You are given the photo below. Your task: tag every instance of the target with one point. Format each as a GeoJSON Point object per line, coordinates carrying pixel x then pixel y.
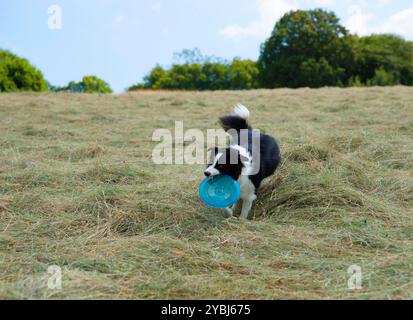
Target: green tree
{"type": "Point", "coordinates": [17, 74]}
{"type": "Point", "coordinates": [93, 84]}
{"type": "Point", "coordinates": [383, 78]}
{"type": "Point", "coordinates": [155, 76]}
{"type": "Point", "coordinates": [209, 75]}
{"type": "Point", "coordinates": [182, 77]}
{"type": "Point", "coordinates": [303, 41]}
{"type": "Point", "coordinates": [243, 74]}
{"type": "Point", "coordinates": [74, 87]}
{"type": "Point", "coordinates": [384, 59]}
{"type": "Point", "coordinates": [214, 76]}
{"type": "Point", "coordinates": [89, 84]}
{"type": "Point", "coordinates": [320, 73]}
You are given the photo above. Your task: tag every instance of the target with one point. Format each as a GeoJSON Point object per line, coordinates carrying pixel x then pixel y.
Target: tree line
{"type": "Point", "coordinates": [307, 48]}
{"type": "Point", "coordinates": [17, 74]}
{"type": "Point", "coordinates": [239, 74]}
{"type": "Point", "coordinates": [88, 84]}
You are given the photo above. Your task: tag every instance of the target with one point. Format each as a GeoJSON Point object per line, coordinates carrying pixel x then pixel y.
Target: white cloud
{"type": "Point", "coordinates": [269, 12]}
{"type": "Point", "coordinates": [363, 18]}
{"type": "Point", "coordinates": [358, 21]}
{"type": "Point", "coordinates": [400, 23]}
{"type": "Point", "coordinates": [364, 23]}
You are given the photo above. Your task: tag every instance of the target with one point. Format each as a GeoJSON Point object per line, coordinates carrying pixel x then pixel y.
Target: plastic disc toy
{"type": "Point", "coordinates": [219, 192]}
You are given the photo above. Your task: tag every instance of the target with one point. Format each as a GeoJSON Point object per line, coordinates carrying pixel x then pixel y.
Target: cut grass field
{"type": "Point", "coordinates": [78, 189]}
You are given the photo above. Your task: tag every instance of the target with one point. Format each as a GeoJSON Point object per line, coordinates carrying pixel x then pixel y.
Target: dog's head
{"type": "Point", "coordinates": [226, 161]}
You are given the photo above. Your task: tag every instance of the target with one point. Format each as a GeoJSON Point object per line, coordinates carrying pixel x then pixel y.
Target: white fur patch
{"type": "Point", "coordinates": [242, 111]}
{"type": "Point", "coordinates": [242, 151]}
{"type": "Point", "coordinates": [247, 188]}
{"type": "Point", "coordinates": [247, 195]}
{"type": "Point", "coordinates": [212, 171]}
{"type": "Point", "coordinates": [246, 159]}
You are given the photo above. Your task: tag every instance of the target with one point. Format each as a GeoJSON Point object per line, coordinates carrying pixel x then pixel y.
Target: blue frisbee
{"type": "Point", "coordinates": [219, 192]}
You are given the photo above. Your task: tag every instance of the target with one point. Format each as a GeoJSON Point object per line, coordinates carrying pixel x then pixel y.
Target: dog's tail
{"type": "Point", "coordinates": [237, 120]}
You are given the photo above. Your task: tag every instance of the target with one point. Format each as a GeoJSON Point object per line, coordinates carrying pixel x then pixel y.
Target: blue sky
{"type": "Point", "coordinates": [121, 40]}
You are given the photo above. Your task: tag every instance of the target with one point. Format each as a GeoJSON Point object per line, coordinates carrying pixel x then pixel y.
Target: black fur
{"type": "Point", "coordinates": [270, 155]}
{"type": "Point", "coordinates": [234, 122]}
{"type": "Point", "coordinates": [229, 164]}
{"type": "Point", "coordinates": [270, 158]}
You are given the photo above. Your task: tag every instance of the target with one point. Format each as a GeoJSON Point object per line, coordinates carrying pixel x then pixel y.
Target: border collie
{"type": "Point", "coordinates": [248, 162]}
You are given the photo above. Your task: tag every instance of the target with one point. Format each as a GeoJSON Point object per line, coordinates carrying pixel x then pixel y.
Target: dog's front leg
{"type": "Point", "coordinates": [229, 212]}
{"type": "Point", "coordinates": [246, 206]}
{"type": "Point", "coordinates": [234, 207]}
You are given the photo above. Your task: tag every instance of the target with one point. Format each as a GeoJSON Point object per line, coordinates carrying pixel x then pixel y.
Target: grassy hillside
{"type": "Point", "coordinates": [78, 189]}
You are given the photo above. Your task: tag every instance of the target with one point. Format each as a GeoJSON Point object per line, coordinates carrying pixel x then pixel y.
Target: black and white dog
{"type": "Point", "coordinates": [249, 159]}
